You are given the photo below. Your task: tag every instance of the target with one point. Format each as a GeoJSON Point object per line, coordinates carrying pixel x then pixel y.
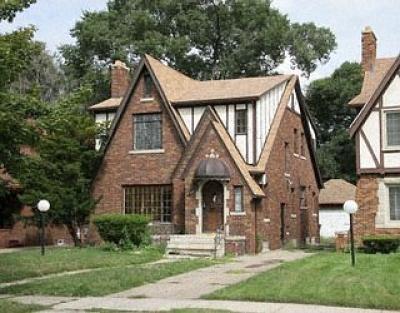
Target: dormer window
{"type": "Point", "coordinates": [148, 86]}
{"type": "Point", "coordinates": [392, 129]}
{"type": "Point", "coordinates": [241, 121]}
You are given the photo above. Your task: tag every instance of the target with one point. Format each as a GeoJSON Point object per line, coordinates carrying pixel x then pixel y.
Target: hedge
{"type": "Point", "coordinates": [123, 229]}
{"type": "Point", "coordinates": [382, 244]}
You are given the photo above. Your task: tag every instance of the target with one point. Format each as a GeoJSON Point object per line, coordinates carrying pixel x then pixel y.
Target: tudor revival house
{"type": "Point", "coordinates": [376, 130]}
{"type": "Point", "coordinates": [200, 157]}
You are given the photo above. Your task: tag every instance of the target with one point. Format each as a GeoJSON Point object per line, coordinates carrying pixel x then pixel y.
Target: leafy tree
{"type": "Point", "coordinates": [327, 99]}
{"type": "Point", "coordinates": [204, 39]}
{"type": "Point", "coordinates": [9, 8]}
{"type": "Point", "coordinates": [65, 163]}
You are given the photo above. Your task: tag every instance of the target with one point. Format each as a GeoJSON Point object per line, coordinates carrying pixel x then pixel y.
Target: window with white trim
{"type": "Point", "coordinates": [238, 191]}
{"type": "Point", "coordinates": [394, 202]}
{"type": "Point", "coordinates": [241, 121]}
{"type": "Point", "coordinates": [153, 201]}
{"type": "Point", "coordinates": [147, 131]}
{"type": "Point", "coordinates": [392, 128]}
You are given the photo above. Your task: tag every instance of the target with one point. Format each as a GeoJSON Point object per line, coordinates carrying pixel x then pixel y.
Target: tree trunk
{"type": "Point", "coordinates": [74, 236]}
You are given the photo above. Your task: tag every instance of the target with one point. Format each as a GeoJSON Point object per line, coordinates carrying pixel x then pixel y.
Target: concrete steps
{"type": "Point", "coordinates": [195, 246]}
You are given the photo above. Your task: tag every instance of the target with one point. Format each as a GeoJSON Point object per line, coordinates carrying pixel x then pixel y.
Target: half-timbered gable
{"type": "Point", "coordinates": [376, 130]}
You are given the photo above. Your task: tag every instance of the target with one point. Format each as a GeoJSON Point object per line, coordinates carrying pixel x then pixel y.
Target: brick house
{"type": "Point", "coordinates": [200, 157]}
{"type": "Point", "coordinates": [376, 130]}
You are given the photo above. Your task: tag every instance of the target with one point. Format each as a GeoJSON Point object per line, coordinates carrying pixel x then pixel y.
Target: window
{"type": "Point", "coordinates": [287, 158]}
{"type": "Point", "coordinates": [295, 141]}
{"type": "Point", "coordinates": [302, 145]}
{"type": "Point", "coordinates": [392, 128]}
{"type": "Point", "coordinates": [394, 202]}
{"type": "Point", "coordinates": [303, 197]}
{"type": "Point", "coordinates": [241, 121]}
{"type": "Point", "coordinates": [239, 199]}
{"type": "Point", "coordinates": [152, 201]}
{"type": "Point", "coordinates": [147, 132]}
{"type": "Point", "coordinates": [148, 86]}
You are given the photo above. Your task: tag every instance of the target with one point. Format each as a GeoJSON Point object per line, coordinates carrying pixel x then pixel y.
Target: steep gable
{"type": "Point", "coordinates": [208, 121]}
{"type": "Point", "coordinates": [382, 83]}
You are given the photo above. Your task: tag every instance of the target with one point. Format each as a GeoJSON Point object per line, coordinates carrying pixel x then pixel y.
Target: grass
{"type": "Point", "coordinates": [29, 263]}
{"type": "Point", "coordinates": [326, 278]}
{"type": "Point", "coordinates": [105, 281]}
{"type": "Point", "coordinates": [8, 306]}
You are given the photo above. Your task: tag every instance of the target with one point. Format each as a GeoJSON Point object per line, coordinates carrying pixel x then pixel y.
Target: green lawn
{"type": "Point", "coordinates": [106, 281]}
{"type": "Point", "coordinates": [29, 263]}
{"type": "Point", "coordinates": [8, 306]}
{"type": "Point", "coordinates": [326, 278]}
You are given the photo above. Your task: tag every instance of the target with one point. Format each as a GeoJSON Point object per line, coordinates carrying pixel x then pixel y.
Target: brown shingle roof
{"type": "Point", "coordinates": [337, 191]}
{"type": "Point", "coordinates": [109, 104]}
{"type": "Point", "coordinates": [181, 89]}
{"type": "Point", "coordinates": [371, 81]}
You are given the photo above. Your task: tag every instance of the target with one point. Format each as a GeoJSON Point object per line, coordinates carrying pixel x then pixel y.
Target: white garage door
{"type": "Point", "coordinates": [333, 221]}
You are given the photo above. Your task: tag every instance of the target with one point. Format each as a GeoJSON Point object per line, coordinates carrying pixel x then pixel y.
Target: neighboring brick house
{"type": "Point", "coordinates": [376, 130]}
{"type": "Point", "coordinates": [332, 218]}
{"type": "Point", "coordinates": [235, 156]}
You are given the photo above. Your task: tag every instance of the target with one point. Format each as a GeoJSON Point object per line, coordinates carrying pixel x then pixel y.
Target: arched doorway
{"type": "Point", "coordinates": [213, 206]}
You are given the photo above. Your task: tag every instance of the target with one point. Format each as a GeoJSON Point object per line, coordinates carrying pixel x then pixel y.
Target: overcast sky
{"type": "Point", "coordinates": [346, 18]}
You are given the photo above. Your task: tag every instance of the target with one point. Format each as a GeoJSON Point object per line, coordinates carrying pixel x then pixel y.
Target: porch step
{"type": "Point", "coordinates": [194, 246]}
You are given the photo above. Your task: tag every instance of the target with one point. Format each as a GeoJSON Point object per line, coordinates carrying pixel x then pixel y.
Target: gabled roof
{"type": "Point", "coordinates": [210, 118]}
{"type": "Point", "coordinates": [292, 85]}
{"type": "Point", "coordinates": [371, 81]}
{"type": "Point", "coordinates": [382, 82]}
{"type": "Point", "coordinates": [337, 191]}
{"type": "Point", "coordinates": [180, 89]}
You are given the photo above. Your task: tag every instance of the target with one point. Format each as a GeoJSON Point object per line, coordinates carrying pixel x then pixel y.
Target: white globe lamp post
{"type": "Point", "coordinates": [43, 206]}
{"type": "Point", "coordinates": [351, 207]}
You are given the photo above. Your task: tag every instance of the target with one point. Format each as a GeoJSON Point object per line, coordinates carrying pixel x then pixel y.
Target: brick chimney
{"type": "Point", "coordinates": [368, 49]}
{"type": "Point", "coordinates": [119, 79]}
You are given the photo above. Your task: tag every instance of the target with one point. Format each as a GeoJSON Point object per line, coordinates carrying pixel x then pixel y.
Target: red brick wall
{"type": "Point", "coordinates": [368, 201]}
{"type": "Point", "coordinates": [120, 168]}
{"type": "Point", "coordinates": [119, 79]}
{"type": "Point", "coordinates": [279, 191]}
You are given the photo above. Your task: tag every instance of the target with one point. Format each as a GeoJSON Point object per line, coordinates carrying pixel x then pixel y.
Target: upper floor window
{"type": "Point", "coordinates": [303, 196]}
{"type": "Point", "coordinates": [147, 131]}
{"type": "Point", "coordinates": [394, 202]}
{"type": "Point", "coordinates": [241, 121]}
{"type": "Point", "coordinates": [295, 141]}
{"type": "Point", "coordinates": [148, 86]}
{"type": "Point", "coordinates": [302, 144]}
{"type": "Point", "coordinates": [239, 199]}
{"type": "Point", "coordinates": [287, 158]}
{"type": "Point", "coordinates": [392, 128]}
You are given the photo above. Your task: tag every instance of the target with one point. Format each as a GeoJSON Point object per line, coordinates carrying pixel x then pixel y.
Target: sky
{"type": "Point", "coordinates": [346, 18]}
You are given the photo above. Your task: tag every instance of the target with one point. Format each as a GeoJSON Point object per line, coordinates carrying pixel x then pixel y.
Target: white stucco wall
{"type": "Point", "coordinates": [332, 221]}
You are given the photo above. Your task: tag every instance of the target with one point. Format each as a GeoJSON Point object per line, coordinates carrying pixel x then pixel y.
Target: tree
{"type": "Point", "coordinates": [327, 99]}
{"type": "Point", "coordinates": [63, 167]}
{"type": "Point", "coordinates": [9, 8]}
{"type": "Point", "coordinates": [204, 39]}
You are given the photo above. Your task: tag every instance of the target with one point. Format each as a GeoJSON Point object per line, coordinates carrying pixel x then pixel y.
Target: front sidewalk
{"type": "Point", "coordinates": [160, 305]}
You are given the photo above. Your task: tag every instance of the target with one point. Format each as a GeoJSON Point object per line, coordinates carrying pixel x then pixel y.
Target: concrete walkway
{"type": "Point", "coordinates": [67, 305]}
{"type": "Point", "coordinates": [193, 285]}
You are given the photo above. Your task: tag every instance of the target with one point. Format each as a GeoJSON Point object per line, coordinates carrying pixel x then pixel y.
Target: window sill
{"type": "Point", "coordinates": [391, 149]}
{"type": "Point", "coordinates": [237, 213]}
{"type": "Point", "coordinates": [147, 99]}
{"type": "Point", "coordinates": [154, 151]}
{"type": "Point", "coordinates": [287, 174]}
{"type": "Point", "coordinates": [299, 156]}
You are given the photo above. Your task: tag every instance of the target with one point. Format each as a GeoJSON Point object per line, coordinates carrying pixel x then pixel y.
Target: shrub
{"type": "Point", "coordinates": [382, 244]}
{"type": "Point", "coordinates": [125, 231]}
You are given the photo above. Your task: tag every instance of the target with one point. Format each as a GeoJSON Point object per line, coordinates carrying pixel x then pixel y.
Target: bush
{"type": "Point", "coordinates": [125, 231]}
{"type": "Point", "coordinates": [382, 244]}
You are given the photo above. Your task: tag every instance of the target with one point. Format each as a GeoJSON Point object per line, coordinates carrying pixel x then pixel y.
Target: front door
{"type": "Point", "coordinates": [213, 206]}
{"type": "Point", "coordinates": [303, 226]}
